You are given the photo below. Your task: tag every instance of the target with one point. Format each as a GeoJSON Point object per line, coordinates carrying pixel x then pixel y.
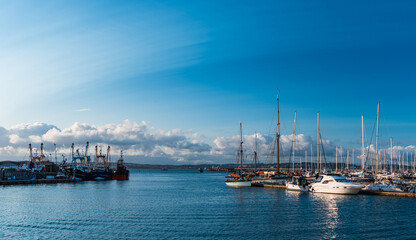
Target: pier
{"type": "Point", "coordinates": [37, 181]}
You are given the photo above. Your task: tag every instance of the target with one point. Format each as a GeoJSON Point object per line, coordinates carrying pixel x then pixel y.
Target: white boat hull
{"type": "Point", "coordinates": [383, 188]}
{"type": "Point", "coordinates": [295, 187]}
{"type": "Point", "coordinates": [350, 190]}
{"type": "Point", "coordinates": [238, 183]}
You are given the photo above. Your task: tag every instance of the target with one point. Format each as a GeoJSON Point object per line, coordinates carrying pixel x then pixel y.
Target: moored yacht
{"type": "Point", "coordinates": [336, 184]}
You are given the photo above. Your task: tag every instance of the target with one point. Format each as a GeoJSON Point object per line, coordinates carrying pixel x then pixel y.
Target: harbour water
{"type": "Point", "coordinates": [185, 204]}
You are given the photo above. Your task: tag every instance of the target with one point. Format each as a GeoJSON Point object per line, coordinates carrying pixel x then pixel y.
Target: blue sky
{"type": "Point", "coordinates": [207, 65]}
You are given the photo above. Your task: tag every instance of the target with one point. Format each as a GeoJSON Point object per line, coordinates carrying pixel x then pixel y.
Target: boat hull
{"type": "Point", "coordinates": [383, 188]}
{"type": "Point", "coordinates": [295, 187]}
{"type": "Point", "coordinates": [120, 176]}
{"type": "Point", "coordinates": [238, 183]}
{"type": "Point", "coordinates": [347, 190]}
{"type": "Point", "coordinates": [101, 174]}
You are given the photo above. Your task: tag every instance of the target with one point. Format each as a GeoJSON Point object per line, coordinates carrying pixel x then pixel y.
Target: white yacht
{"type": "Point", "coordinates": [334, 183]}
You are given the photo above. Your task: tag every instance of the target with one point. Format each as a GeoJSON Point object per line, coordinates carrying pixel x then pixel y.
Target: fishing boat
{"type": "Point", "coordinates": [334, 183]}
{"type": "Point", "coordinates": [79, 167]}
{"type": "Point", "coordinates": [298, 184]}
{"type": "Point", "coordinates": [122, 173]}
{"type": "Point", "coordinates": [101, 170]}
{"type": "Point", "coordinates": [241, 179]}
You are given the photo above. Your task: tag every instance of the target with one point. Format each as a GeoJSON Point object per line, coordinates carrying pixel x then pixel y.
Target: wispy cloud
{"type": "Point", "coordinates": [82, 110]}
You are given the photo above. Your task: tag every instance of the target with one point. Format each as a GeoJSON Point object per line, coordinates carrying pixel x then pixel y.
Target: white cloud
{"type": "Point", "coordinates": [146, 144]}
{"type": "Point", "coordinates": [136, 139]}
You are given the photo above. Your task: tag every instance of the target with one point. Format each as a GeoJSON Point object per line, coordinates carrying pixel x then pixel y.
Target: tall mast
{"type": "Point", "coordinates": [378, 114]}
{"type": "Point", "coordinates": [56, 158]}
{"type": "Point", "coordinates": [311, 156]}
{"type": "Point", "coordinates": [336, 159]}
{"type": "Point", "coordinates": [348, 154]}
{"type": "Point", "coordinates": [362, 143]}
{"type": "Point", "coordinates": [255, 151]}
{"type": "Point", "coordinates": [278, 135]}
{"type": "Point", "coordinates": [317, 146]}
{"type": "Point", "coordinates": [306, 159]}
{"type": "Point", "coordinates": [30, 152]}
{"type": "Point", "coordinates": [353, 158]}
{"type": "Point", "coordinates": [293, 143]}
{"type": "Point", "coordinates": [72, 152]}
{"type": "Point", "coordinates": [241, 150]}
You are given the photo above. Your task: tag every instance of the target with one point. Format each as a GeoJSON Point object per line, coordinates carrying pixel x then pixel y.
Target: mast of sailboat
{"type": "Point", "coordinates": [336, 159]}
{"type": "Point", "coordinates": [311, 157]}
{"type": "Point", "coordinates": [293, 144]}
{"type": "Point", "coordinates": [306, 160]}
{"type": "Point", "coordinates": [278, 135]}
{"type": "Point", "coordinates": [362, 143]}
{"type": "Point", "coordinates": [241, 150]}
{"type": "Point", "coordinates": [255, 151]}
{"type": "Point", "coordinates": [317, 147]}
{"type": "Point", "coordinates": [378, 113]}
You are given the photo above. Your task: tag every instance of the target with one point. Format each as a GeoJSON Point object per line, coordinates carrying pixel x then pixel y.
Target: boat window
{"type": "Point", "coordinates": [319, 179]}
{"type": "Point", "coordinates": [341, 180]}
{"type": "Point", "coordinates": [325, 182]}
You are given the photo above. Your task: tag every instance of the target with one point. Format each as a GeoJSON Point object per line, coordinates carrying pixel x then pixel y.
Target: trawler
{"type": "Point", "coordinates": [122, 173]}
{"type": "Point", "coordinates": [101, 170]}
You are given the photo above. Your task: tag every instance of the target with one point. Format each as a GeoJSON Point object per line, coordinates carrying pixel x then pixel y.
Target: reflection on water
{"type": "Point", "coordinates": [330, 203]}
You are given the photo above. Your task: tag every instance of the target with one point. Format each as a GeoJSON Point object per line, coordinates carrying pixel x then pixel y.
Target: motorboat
{"type": "Point", "coordinates": [334, 183]}
{"type": "Point", "coordinates": [298, 184]}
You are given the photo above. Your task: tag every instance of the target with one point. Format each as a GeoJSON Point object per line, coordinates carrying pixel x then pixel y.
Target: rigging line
{"type": "Point", "coordinates": [323, 150]}
{"type": "Point", "coordinates": [371, 140]}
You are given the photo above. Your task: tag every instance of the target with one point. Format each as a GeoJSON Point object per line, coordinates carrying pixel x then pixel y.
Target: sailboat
{"type": "Point", "coordinates": [239, 180]}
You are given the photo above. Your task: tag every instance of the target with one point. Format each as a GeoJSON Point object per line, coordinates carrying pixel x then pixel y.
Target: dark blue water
{"type": "Point", "coordinates": [188, 205]}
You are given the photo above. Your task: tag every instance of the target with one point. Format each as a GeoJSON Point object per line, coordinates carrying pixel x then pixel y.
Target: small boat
{"type": "Point", "coordinates": [122, 173]}
{"type": "Point", "coordinates": [298, 184]}
{"type": "Point", "coordinates": [334, 183]}
{"type": "Point", "coordinates": [201, 170]}
{"type": "Point", "coordinates": [164, 169]}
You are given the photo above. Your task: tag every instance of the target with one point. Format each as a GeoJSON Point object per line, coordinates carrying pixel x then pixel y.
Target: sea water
{"type": "Point", "coordinates": [186, 204]}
